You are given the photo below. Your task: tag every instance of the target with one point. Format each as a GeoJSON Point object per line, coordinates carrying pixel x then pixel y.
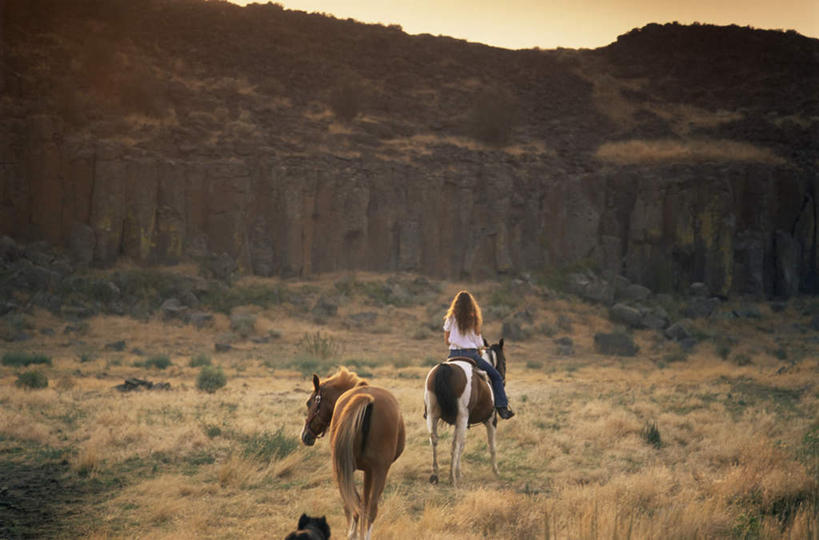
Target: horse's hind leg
{"type": "Point", "coordinates": [352, 522]}
{"type": "Point", "coordinates": [374, 482]}
{"type": "Point", "coordinates": [491, 428]}
{"type": "Point", "coordinates": [432, 427]}
{"type": "Point", "coordinates": [353, 517]}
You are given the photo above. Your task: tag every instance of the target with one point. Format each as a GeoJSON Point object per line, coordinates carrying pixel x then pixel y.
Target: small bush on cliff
{"type": "Point", "coordinates": [492, 118]}
{"type": "Point", "coordinates": [345, 101]}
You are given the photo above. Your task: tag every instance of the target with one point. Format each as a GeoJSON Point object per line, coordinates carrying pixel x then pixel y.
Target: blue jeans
{"type": "Point", "coordinates": [494, 377]}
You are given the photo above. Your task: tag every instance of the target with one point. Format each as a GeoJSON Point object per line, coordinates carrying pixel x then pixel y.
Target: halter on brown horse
{"type": "Point", "coordinates": [460, 394]}
{"type": "Point", "coordinates": [366, 434]}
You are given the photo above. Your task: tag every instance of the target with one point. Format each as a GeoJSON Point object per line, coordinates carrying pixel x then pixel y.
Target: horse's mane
{"type": "Point", "coordinates": [345, 379]}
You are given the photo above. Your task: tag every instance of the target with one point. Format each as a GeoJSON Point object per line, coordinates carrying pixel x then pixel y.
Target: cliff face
{"type": "Point", "coordinates": [300, 144]}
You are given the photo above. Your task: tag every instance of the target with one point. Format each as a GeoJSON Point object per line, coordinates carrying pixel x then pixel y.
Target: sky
{"type": "Point", "coordinates": [548, 24]}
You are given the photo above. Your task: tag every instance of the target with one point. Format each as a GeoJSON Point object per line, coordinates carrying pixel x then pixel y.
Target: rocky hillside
{"type": "Point", "coordinates": [294, 143]}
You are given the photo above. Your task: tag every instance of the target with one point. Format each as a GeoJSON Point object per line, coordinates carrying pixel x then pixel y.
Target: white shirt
{"type": "Point", "coordinates": [460, 341]}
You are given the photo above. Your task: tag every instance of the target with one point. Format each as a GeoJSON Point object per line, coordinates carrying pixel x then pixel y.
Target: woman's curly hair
{"type": "Point", "coordinates": [467, 313]}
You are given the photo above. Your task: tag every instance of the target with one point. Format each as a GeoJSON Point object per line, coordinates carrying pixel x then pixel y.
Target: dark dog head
{"type": "Point", "coordinates": [310, 528]}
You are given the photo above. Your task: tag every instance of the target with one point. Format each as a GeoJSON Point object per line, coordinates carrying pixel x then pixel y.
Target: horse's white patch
{"type": "Point", "coordinates": [463, 399]}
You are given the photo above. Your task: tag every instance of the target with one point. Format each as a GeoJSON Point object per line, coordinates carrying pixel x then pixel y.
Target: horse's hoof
{"type": "Point", "coordinates": [433, 479]}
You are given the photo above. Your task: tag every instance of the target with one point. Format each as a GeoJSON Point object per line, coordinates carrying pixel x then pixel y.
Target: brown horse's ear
{"type": "Point", "coordinates": [315, 382]}
{"type": "Point", "coordinates": [500, 343]}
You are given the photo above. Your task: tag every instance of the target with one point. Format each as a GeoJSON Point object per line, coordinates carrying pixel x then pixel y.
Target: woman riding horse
{"type": "Point", "coordinates": [462, 333]}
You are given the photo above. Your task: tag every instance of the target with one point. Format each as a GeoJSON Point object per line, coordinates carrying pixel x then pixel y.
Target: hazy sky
{"type": "Point", "coordinates": [548, 24]}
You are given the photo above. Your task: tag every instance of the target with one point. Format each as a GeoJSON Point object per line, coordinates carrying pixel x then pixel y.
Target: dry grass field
{"type": "Point", "coordinates": [718, 442]}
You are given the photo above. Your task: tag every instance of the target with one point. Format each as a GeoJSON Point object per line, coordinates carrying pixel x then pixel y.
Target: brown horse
{"type": "Point", "coordinates": [366, 434]}
{"type": "Point", "coordinates": [460, 394]}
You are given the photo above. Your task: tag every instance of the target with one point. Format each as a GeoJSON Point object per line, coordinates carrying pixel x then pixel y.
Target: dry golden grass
{"type": "Point", "coordinates": [573, 462]}
{"type": "Point", "coordinates": [689, 150]}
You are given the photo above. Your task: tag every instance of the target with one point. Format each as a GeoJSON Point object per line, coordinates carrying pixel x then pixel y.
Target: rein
{"type": "Point", "coordinates": [312, 417]}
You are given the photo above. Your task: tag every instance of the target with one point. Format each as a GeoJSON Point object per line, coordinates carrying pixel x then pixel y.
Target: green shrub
{"type": "Point", "coordinates": [724, 350]}
{"type": "Point", "coordinates": [320, 345]}
{"type": "Point", "coordinates": [87, 356]}
{"type": "Point", "coordinates": [742, 359]}
{"type": "Point", "coordinates": [20, 359]}
{"type": "Point", "coordinates": [200, 360]}
{"type": "Point", "coordinates": [212, 431]}
{"type": "Point", "coordinates": [32, 380]}
{"type": "Point", "coordinates": [225, 299]}
{"type": "Point", "coordinates": [159, 361]}
{"type": "Point", "coordinates": [211, 379]}
{"type": "Point", "coordinates": [267, 446]}
{"type": "Point", "coordinates": [781, 353]}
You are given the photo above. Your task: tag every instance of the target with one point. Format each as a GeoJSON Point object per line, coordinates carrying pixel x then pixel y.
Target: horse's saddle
{"type": "Point", "coordinates": [466, 359]}
{"type": "Point", "coordinates": [474, 364]}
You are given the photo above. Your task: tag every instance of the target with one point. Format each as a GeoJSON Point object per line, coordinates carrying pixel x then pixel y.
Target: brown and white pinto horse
{"type": "Point", "coordinates": [366, 434]}
{"type": "Point", "coordinates": [460, 394]}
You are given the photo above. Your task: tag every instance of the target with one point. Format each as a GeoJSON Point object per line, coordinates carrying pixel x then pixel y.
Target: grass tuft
{"type": "Point", "coordinates": [651, 434]}
{"type": "Point", "coordinates": [268, 446]}
{"type": "Point", "coordinates": [33, 380]}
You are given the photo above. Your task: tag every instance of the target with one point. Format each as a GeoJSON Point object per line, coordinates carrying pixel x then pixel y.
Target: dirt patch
{"type": "Point", "coordinates": [41, 499]}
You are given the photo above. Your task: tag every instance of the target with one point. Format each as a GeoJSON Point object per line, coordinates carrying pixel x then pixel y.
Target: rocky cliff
{"type": "Point", "coordinates": [166, 130]}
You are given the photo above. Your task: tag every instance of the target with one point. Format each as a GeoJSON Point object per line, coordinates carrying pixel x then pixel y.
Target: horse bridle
{"type": "Point", "coordinates": [315, 415]}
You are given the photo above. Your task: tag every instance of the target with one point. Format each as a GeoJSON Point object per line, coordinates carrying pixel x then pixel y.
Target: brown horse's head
{"type": "Point", "coordinates": [322, 402]}
{"type": "Point", "coordinates": [319, 414]}
{"type": "Point", "coordinates": [497, 357]}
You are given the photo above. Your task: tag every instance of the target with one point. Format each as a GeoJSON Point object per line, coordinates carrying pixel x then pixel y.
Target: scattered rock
{"type": "Point", "coordinates": [700, 307]}
{"type": "Point", "coordinates": [615, 343]}
{"type": "Point", "coordinates": [628, 315]}
{"type": "Point", "coordinates": [698, 290]}
{"type": "Point", "coordinates": [222, 347]}
{"type": "Point", "coordinates": [139, 384]}
{"type": "Point", "coordinates": [748, 311]}
{"type": "Point", "coordinates": [172, 308]}
{"type": "Point", "coordinates": [679, 331]}
{"type": "Point", "coordinates": [115, 346]}
{"type": "Point", "coordinates": [200, 319]}
{"type": "Point", "coordinates": [81, 243]}
{"type": "Point", "coordinates": [364, 318]}
{"type": "Point", "coordinates": [635, 293]}
{"type": "Point", "coordinates": [221, 267]}
{"type": "Point", "coordinates": [8, 249]}
{"type": "Point", "coordinates": [565, 346]}
{"type": "Point", "coordinates": [325, 307]}
{"type": "Point", "coordinates": [590, 287]}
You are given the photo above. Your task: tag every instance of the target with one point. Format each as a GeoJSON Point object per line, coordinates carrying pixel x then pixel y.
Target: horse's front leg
{"type": "Point", "coordinates": [432, 427]}
{"type": "Point", "coordinates": [458, 442]}
{"type": "Point", "coordinates": [491, 429]}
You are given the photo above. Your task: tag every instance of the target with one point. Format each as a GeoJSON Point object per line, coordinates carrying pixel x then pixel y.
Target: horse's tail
{"type": "Point", "coordinates": [352, 420]}
{"type": "Point", "coordinates": [442, 388]}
